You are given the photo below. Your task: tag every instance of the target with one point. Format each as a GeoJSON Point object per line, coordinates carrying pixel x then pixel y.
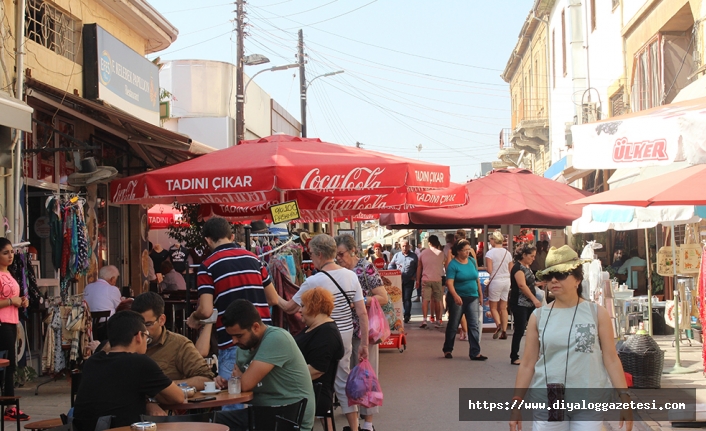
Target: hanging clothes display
{"type": "Point", "coordinates": [23, 272]}
{"type": "Point", "coordinates": [69, 239]}
{"type": "Point", "coordinates": [286, 289]}
{"type": "Point", "coordinates": [68, 329]}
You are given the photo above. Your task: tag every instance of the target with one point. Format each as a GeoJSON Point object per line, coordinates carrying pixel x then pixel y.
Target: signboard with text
{"type": "Point", "coordinates": [116, 74]}
{"type": "Point", "coordinates": [286, 211]}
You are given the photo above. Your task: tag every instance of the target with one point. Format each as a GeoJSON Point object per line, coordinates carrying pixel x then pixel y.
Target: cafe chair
{"type": "Point", "coordinates": [329, 411]}
{"type": "Point", "coordinates": [9, 401]}
{"type": "Point", "coordinates": [261, 418]}
{"type": "Point", "coordinates": [102, 424]}
{"type": "Point", "coordinates": [75, 382]}
{"type": "Point", "coordinates": [99, 324]}
{"type": "Point", "coordinates": [197, 417]}
{"type": "Point", "coordinates": [284, 424]}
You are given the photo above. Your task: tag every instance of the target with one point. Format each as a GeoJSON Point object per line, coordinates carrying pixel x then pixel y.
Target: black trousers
{"type": "Point", "coordinates": [8, 341]}
{"type": "Point", "coordinates": [520, 316]}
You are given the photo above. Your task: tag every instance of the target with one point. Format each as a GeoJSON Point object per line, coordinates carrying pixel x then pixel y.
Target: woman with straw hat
{"type": "Point", "coordinates": [569, 334]}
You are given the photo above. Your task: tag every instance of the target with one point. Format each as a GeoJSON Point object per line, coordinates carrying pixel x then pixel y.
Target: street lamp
{"type": "Point", "coordinates": [303, 98]}
{"type": "Point", "coordinates": [271, 69]}
{"type": "Point", "coordinates": [243, 60]}
{"type": "Point", "coordinates": [240, 98]}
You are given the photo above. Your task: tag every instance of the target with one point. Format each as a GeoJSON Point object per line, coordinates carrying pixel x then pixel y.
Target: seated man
{"type": "Point", "coordinates": [119, 383]}
{"type": "Point", "coordinates": [174, 353]}
{"type": "Point", "coordinates": [269, 364]}
{"type": "Point", "coordinates": [102, 294]}
{"type": "Point", "coordinates": [171, 279]}
{"type": "Point", "coordinates": [633, 260]}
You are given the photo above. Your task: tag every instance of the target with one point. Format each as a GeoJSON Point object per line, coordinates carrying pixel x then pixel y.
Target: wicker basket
{"type": "Point", "coordinates": [644, 360]}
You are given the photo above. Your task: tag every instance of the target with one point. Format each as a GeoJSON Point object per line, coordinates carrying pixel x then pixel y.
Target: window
{"type": "Point", "coordinates": [617, 103]}
{"type": "Point", "coordinates": [554, 58]}
{"type": "Point", "coordinates": [593, 15]}
{"type": "Point", "coordinates": [563, 41]}
{"type": "Point", "coordinates": [52, 28]}
{"type": "Point", "coordinates": [647, 76]}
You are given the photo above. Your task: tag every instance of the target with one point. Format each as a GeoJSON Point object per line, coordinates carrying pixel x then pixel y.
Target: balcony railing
{"type": "Point", "coordinates": [528, 110]}
{"type": "Point", "coordinates": [505, 135]}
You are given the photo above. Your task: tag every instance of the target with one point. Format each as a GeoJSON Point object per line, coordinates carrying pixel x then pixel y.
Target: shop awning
{"type": "Point", "coordinates": [653, 137]}
{"type": "Point", "coordinates": [564, 171]}
{"type": "Point", "coordinates": [148, 141]}
{"type": "Point", "coordinates": [15, 113]}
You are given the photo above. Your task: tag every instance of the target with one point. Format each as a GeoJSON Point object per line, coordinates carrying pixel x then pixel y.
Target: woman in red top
{"type": "Point", "coordinates": [10, 301]}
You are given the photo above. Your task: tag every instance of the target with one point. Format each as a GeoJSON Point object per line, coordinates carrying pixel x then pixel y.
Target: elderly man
{"type": "Point", "coordinates": [102, 294]}
{"type": "Point", "coordinates": [175, 354]}
{"type": "Point", "coordinates": [269, 364]}
{"type": "Point", "coordinates": [121, 383]}
{"type": "Point", "coordinates": [406, 261]}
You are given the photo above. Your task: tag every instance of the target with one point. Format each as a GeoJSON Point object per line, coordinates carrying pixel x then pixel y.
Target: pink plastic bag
{"type": "Point", "coordinates": [378, 326]}
{"type": "Point", "coordinates": [362, 386]}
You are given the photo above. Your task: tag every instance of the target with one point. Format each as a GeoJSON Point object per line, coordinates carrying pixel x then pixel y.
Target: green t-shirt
{"type": "Point", "coordinates": [289, 381]}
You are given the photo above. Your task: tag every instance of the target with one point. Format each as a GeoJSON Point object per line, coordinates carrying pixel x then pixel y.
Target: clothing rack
{"type": "Point", "coordinates": [57, 300]}
{"type": "Point", "coordinates": [22, 244]}
{"type": "Point", "coordinates": [274, 250]}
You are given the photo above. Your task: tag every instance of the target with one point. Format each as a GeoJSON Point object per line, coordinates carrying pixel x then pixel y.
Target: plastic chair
{"type": "Point", "coordinates": [197, 417]}
{"type": "Point", "coordinates": [329, 413]}
{"type": "Point", "coordinates": [100, 328]}
{"type": "Point", "coordinates": [284, 424]}
{"type": "Point", "coordinates": [75, 382]}
{"type": "Point", "coordinates": [261, 418]}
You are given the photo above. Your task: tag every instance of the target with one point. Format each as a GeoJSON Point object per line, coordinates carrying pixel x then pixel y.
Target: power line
{"type": "Point", "coordinates": [198, 8]}
{"type": "Point", "coordinates": [197, 43]}
{"type": "Point", "coordinates": [337, 16]}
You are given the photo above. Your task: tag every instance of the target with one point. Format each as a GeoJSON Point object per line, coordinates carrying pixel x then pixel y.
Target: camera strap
{"type": "Point", "coordinates": [568, 341]}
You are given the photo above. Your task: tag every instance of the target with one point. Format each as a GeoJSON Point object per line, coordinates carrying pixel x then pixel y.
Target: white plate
{"type": "Point", "coordinates": [212, 392]}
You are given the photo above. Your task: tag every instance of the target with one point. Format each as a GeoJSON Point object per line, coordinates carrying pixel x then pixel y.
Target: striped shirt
{"type": "Point", "coordinates": [232, 273]}
{"type": "Point", "coordinates": [348, 281]}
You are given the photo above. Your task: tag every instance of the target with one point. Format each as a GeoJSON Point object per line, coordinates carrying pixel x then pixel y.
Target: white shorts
{"type": "Point", "coordinates": [499, 290]}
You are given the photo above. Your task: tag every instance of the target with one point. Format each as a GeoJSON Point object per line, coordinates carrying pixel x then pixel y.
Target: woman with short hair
{"type": "Point", "coordinates": [322, 347]}
{"type": "Point", "coordinates": [348, 299]}
{"type": "Point", "coordinates": [522, 295]}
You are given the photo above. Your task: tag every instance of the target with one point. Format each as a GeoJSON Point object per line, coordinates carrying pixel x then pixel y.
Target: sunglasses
{"type": "Point", "coordinates": [559, 276]}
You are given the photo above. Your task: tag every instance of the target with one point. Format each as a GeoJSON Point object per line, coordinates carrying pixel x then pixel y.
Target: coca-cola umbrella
{"type": "Point", "coordinates": [321, 176]}
{"type": "Point", "coordinates": [164, 216]}
{"type": "Point", "coordinates": [503, 197]}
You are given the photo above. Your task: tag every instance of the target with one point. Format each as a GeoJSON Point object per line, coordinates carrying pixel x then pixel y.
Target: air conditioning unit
{"type": "Point", "coordinates": [589, 113]}
{"type": "Point", "coordinates": [567, 134]}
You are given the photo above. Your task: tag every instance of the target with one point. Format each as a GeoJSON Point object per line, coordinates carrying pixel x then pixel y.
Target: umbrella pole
{"type": "Point", "coordinates": [677, 369]}
{"type": "Point", "coordinates": [649, 282]}
{"type": "Point", "coordinates": [331, 224]}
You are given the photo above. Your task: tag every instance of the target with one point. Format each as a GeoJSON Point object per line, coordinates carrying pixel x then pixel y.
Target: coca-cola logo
{"type": "Point", "coordinates": [624, 151]}
{"type": "Point", "coordinates": [357, 179]}
{"type": "Point", "coordinates": [358, 204]}
{"type": "Point", "coordinates": [125, 192]}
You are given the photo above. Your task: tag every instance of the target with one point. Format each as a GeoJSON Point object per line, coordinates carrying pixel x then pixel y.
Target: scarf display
{"type": "Point", "coordinates": [69, 239]}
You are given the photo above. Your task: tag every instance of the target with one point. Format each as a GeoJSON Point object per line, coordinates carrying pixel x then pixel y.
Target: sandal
{"type": "Point", "coordinates": [463, 337]}
{"type": "Point", "coordinates": [515, 362]}
{"type": "Point", "coordinates": [496, 334]}
{"type": "Point", "coordinates": [503, 336]}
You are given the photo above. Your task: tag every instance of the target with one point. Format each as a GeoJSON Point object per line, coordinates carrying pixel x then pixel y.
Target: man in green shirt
{"type": "Point", "coordinates": [269, 364]}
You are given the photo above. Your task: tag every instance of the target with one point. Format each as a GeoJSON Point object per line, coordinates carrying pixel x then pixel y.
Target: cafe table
{"type": "Point", "coordinates": [4, 363]}
{"type": "Point", "coordinates": [223, 398]}
{"type": "Point", "coordinates": [183, 426]}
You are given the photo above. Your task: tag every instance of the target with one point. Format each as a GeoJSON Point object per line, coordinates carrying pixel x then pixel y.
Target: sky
{"type": "Point", "coordinates": [422, 79]}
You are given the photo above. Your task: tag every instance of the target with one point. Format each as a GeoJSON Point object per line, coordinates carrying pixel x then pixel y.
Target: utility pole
{"type": "Point", "coordinates": [239, 96]}
{"type": "Point", "coordinates": [302, 81]}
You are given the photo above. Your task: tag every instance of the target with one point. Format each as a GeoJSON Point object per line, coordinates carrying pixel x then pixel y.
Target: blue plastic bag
{"type": "Point", "coordinates": [363, 387]}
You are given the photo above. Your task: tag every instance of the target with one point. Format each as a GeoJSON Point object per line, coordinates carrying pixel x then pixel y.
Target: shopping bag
{"type": "Point", "coordinates": [363, 387]}
{"type": "Point", "coordinates": [378, 327]}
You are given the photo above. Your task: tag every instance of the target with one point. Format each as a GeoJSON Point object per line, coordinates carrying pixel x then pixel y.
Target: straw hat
{"type": "Point", "coordinates": [562, 259]}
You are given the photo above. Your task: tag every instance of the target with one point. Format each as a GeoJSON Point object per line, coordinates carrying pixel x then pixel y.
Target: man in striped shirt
{"type": "Point", "coordinates": [229, 273]}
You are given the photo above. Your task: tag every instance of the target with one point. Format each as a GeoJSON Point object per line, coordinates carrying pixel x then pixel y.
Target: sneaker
{"type": "Point", "coordinates": [431, 319]}
{"type": "Point", "coordinates": [12, 414]}
{"type": "Point", "coordinates": [439, 324]}
{"type": "Point", "coordinates": [423, 325]}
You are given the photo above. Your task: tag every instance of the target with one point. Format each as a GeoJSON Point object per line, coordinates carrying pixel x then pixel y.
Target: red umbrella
{"type": "Point", "coordinates": [321, 176]}
{"type": "Point", "coordinates": [164, 216]}
{"type": "Point", "coordinates": [505, 196]}
{"type": "Point", "coordinates": [675, 188]}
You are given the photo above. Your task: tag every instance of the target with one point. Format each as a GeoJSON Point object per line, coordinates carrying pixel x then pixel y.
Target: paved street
{"type": "Point", "coordinates": [420, 386]}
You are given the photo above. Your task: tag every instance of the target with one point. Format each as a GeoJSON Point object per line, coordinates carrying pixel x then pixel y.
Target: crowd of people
{"type": "Point", "coordinates": [143, 363]}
